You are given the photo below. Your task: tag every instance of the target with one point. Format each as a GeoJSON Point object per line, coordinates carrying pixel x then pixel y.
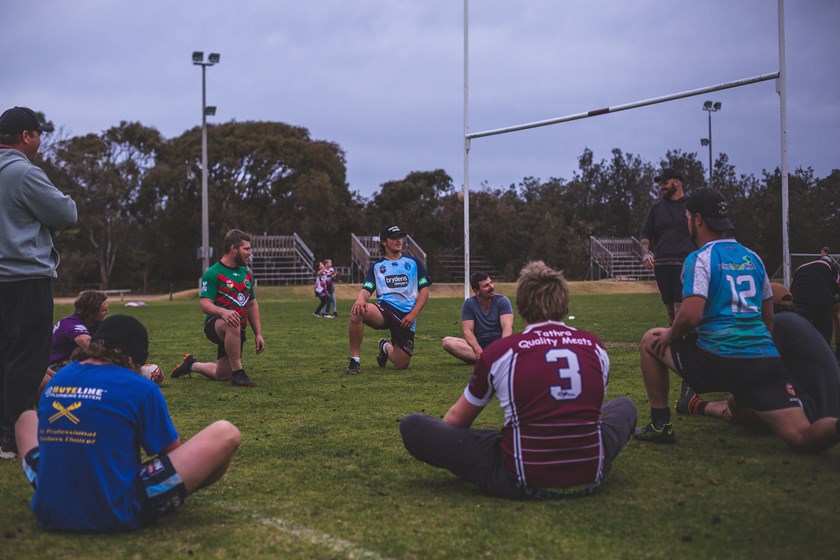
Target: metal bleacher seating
{"type": "Point", "coordinates": [365, 248]}
{"type": "Point", "coordinates": [281, 260]}
{"type": "Point", "coordinates": [449, 267]}
{"type": "Point", "coordinates": [616, 258]}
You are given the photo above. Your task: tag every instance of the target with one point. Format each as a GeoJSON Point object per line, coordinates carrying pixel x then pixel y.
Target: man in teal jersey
{"type": "Point", "coordinates": [227, 298]}
{"type": "Point", "coordinates": [401, 284]}
{"type": "Point", "coordinates": [720, 339]}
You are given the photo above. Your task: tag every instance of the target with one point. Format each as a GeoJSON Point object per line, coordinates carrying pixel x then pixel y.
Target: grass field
{"type": "Point", "coordinates": [322, 472]}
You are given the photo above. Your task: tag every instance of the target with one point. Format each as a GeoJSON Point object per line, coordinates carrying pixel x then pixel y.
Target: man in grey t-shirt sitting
{"type": "Point", "coordinates": [485, 318]}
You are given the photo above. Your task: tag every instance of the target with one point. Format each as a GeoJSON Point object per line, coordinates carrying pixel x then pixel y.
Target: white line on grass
{"type": "Point", "coordinates": [302, 533]}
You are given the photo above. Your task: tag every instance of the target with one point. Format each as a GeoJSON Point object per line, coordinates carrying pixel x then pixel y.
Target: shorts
{"type": "Point", "coordinates": [210, 333]}
{"type": "Point", "coordinates": [401, 337]}
{"type": "Point", "coordinates": [757, 383]}
{"type": "Point", "coordinates": [669, 281]}
{"type": "Point", "coordinates": [158, 486]}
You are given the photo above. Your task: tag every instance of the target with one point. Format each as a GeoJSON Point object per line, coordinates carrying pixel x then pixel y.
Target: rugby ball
{"type": "Point", "coordinates": [152, 372]}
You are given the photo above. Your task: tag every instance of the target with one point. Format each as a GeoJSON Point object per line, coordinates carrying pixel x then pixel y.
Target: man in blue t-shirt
{"type": "Point", "coordinates": [485, 318]}
{"type": "Point", "coordinates": [401, 284]}
{"type": "Point", "coordinates": [81, 448]}
{"type": "Point", "coordinates": [720, 339]}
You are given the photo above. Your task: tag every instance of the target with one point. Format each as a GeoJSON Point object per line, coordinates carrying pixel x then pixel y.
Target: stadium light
{"type": "Point", "coordinates": [710, 107]}
{"type": "Point", "coordinates": [198, 60]}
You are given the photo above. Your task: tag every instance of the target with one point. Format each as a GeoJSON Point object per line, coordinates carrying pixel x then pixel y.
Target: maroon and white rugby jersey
{"type": "Point", "coordinates": [550, 381]}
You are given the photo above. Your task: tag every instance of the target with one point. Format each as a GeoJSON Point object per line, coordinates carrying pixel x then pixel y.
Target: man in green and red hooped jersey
{"type": "Point", "coordinates": [227, 298]}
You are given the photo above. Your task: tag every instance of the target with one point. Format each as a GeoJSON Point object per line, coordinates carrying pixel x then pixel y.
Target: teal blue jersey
{"type": "Point", "coordinates": [397, 283]}
{"type": "Point", "coordinates": [734, 283]}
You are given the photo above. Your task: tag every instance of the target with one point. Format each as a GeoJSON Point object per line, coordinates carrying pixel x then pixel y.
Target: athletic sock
{"type": "Point", "coordinates": [697, 406]}
{"type": "Point", "coordinates": [356, 359]}
{"type": "Point", "coordinates": [660, 416]}
{"type": "Point", "coordinates": [238, 372]}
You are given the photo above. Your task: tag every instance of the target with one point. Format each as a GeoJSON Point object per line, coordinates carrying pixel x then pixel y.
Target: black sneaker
{"type": "Point", "coordinates": [241, 379]}
{"type": "Point", "coordinates": [184, 368]}
{"type": "Point", "coordinates": [354, 367]}
{"type": "Point", "coordinates": [656, 434]}
{"type": "Point", "coordinates": [8, 449]}
{"type": "Point", "coordinates": [686, 393]}
{"type": "Point", "coordinates": [382, 356]}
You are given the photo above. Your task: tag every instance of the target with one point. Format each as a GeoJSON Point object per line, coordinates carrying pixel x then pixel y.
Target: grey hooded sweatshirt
{"type": "Point", "coordinates": [32, 212]}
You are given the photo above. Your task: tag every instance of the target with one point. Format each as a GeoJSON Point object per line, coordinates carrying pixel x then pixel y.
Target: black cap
{"type": "Point", "coordinates": [389, 232]}
{"type": "Point", "coordinates": [18, 119]}
{"type": "Point", "coordinates": [712, 206]}
{"type": "Point", "coordinates": [126, 333]}
{"type": "Point", "coordinates": [666, 174]}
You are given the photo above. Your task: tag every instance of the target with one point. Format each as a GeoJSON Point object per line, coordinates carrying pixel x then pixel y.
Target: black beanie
{"type": "Point", "coordinates": [126, 333]}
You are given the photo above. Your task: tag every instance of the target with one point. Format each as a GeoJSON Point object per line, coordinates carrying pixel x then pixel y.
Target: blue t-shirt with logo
{"type": "Point", "coordinates": [397, 283]}
{"type": "Point", "coordinates": [92, 422]}
{"type": "Point", "coordinates": [734, 283]}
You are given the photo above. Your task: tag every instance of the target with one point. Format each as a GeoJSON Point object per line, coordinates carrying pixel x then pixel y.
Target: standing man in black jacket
{"type": "Point", "coordinates": [665, 239]}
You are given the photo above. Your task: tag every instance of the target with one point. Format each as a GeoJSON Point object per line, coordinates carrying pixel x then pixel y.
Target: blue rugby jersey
{"type": "Point", "coordinates": [734, 283]}
{"type": "Point", "coordinates": [397, 283]}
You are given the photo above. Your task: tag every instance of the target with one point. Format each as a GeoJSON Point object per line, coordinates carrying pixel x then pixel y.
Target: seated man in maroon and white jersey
{"type": "Point", "coordinates": [559, 437]}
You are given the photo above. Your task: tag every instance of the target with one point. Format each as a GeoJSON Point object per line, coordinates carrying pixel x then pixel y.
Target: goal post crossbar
{"type": "Point", "coordinates": [625, 106]}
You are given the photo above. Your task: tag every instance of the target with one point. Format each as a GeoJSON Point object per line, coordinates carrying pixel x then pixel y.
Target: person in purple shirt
{"type": "Point", "coordinates": [485, 318]}
{"type": "Point", "coordinates": [75, 330]}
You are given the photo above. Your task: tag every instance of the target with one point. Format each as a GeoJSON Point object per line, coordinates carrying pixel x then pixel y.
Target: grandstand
{"type": "Point", "coordinates": [616, 258]}
{"type": "Point", "coordinates": [279, 260]}
{"type": "Point", "coordinates": [365, 247]}
{"type": "Point", "coordinates": [449, 267]}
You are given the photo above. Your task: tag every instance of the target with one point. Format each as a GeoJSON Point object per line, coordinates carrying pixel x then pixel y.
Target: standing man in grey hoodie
{"type": "Point", "coordinates": [32, 212]}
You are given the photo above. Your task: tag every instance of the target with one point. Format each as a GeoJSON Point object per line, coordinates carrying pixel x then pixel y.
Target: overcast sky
{"type": "Point", "coordinates": [384, 78]}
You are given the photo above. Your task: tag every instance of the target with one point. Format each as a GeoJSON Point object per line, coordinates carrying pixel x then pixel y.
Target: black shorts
{"type": "Point", "coordinates": [401, 337]}
{"type": "Point", "coordinates": [210, 333]}
{"type": "Point", "coordinates": [160, 488]}
{"type": "Point", "coordinates": [757, 383]}
{"type": "Point", "coordinates": [669, 281]}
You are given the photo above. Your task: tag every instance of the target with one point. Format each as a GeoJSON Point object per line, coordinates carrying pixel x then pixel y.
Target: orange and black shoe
{"type": "Point", "coordinates": [184, 368]}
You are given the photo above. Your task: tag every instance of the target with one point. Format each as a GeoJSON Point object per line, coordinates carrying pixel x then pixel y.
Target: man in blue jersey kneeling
{"type": "Point", "coordinates": [401, 284]}
{"type": "Point", "coordinates": [720, 339]}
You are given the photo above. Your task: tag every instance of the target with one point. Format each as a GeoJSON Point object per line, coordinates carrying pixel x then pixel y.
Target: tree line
{"type": "Point", "coordinates": [139, 201]}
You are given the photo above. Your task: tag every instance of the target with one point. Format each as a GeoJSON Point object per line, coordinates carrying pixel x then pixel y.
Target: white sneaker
{"type": "Point", "coordinates": [8, 453]}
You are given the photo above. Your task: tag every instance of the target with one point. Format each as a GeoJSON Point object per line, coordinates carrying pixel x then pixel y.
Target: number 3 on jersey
{"type": "Point", "coordinates": [569, 373]}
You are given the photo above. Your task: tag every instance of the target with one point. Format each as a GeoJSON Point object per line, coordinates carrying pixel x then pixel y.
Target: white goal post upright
{"type": "Point", "coordinates": [466, 185]}
{"type": "Point", "coordinates": [781, 88]}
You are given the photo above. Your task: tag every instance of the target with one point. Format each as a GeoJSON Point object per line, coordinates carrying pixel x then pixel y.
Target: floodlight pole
{"type": "Point", "coordinates": [710, 107]}
{"type": "Point", "coordinates": [198, 60]}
